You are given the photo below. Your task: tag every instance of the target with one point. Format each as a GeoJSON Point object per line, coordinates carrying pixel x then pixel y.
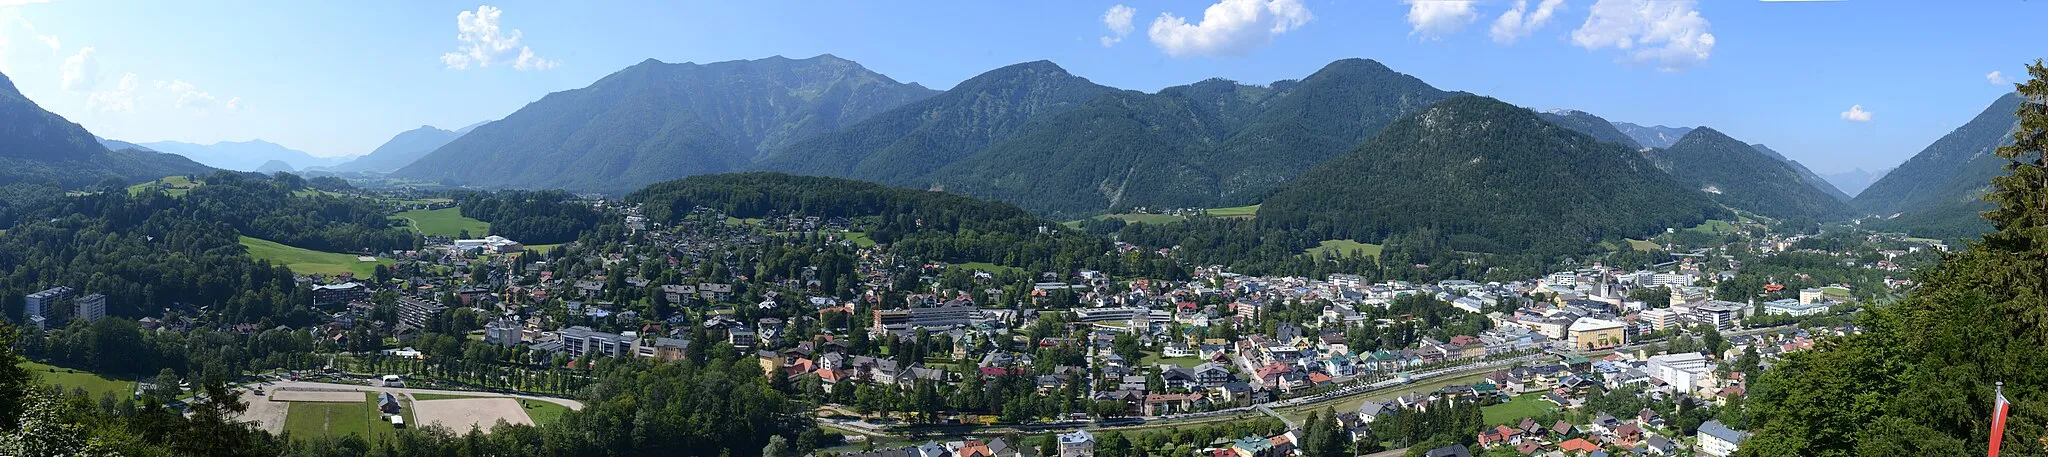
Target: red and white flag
{"type": "Point", "coordinates": [1998, 411]}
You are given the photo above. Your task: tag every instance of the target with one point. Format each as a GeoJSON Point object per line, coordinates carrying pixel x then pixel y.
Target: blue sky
{"type": "Point", "coordinates": [336, 78]}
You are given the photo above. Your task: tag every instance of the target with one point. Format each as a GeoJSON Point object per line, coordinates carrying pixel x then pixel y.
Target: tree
{"type": "Point", "coordinates": [1918, 380]}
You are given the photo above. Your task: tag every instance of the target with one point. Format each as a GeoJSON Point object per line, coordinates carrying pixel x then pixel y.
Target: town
{"type": "Point", "coordinates": [989, 360]}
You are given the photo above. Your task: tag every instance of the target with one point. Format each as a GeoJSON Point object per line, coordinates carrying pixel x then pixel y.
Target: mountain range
{"type": "Point", "coordinates": [1488, 177]}
{"type": "Point", "coordinates": [1654, 136]}
{"type": "Point", "coordinates": [243, 155]}
{"type": "Point", "coordinates": [1854, 181]}
{"type": "Point", "coordinates": [37, 146]}
{"type": "Point", "coordinates": [656, 121]}
{"type": "Point", "coordinates": [1213, 143]}
{"type": "Point", "coordinates": [1937, 193]}
{"type": "Point", "coordinates": [1745, 177]}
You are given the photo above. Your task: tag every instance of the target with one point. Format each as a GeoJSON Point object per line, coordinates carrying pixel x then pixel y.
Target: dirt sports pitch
{"type": "Point", "coordinates": [460, 414]}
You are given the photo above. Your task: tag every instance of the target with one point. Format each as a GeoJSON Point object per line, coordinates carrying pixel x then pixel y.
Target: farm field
{"type": "Point", "coordinates": [447, 222]}
{"type": "Point", "coordinates": [1346, 247]}
{"type": "Point", "coordinates": [93, 383]}
{"type": "Point", "coordinates": [1241, 212]}
{"type": "Point", "coordinates": [307, 261]}
{"type": "Point", "coordinates": [174, 186]}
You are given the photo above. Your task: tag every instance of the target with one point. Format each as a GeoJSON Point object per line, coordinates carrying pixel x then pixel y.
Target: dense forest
{"type": "Point", "coordinates": [1743, 177]}
{"type": "Point", "coordinates": [1919, 379]}
{"type": "Point", "coordinates": [531, 217]}
{"type": "Point", "coordinates": [926, 225]}
{"type": "Point", "coordinates": [1490, 177]}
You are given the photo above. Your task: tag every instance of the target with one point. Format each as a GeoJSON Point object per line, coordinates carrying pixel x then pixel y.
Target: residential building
{"type": "Point", "coordinates": [90, 308]}
{"type": "Point", "coordinates": [1661, 318]}
{"type": "Point", "coordinates": [47, 307]}
{"type": "Point", "coordinates": [339, 294]}
{"type": "Point", "coordinates": [415, 311]}
{"type": "Point", "coordinates": [579, 341]}
{"type": "Point", "coordinates": [1077, 444]}
{"type": "Point", "coordinates": [1720, 314]}
{"type": "Point", "coordinates": [503, 332]}
{"type": "Point", "coordinates": [1717, 440]}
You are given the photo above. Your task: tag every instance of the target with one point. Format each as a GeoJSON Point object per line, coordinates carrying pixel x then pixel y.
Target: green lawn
{"type": "Point", "coordinates": [1715, 226]}
{"type": "Point", "coordinates": [860, 239]}
{"type": "Point", "coordinates": [985, 266]}
{"type": "Point", "coordinates": [1345, 248]}
{"type": "Point", "coordinates": [445, 222]}
{"type": "Point", "coordinates": [543, 413]}
{"type": "Point", "coordinates": [1641, 245]}
{"type": "Point", "coordinates": [1153, 358]}
{"type": "Point", "coordinates": [307, 261]}
{"type": "Point", "coordinates": [1154, 219]}
{"type": "Point", "coordinates": [543, 248]}
{"type": "Point", "coordinates": [1512, 412]}
{"type": "Point", "coordinates": [1246, 212]}
{"type": "Point", "coordinates": [69, 379]}
{"type": "Point", "coordinates": [338, 419]}
{"type": "Point", "coordinates": [172, 185]}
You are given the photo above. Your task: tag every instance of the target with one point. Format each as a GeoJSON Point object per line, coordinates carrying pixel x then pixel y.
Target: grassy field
{"type": "Point", "coordinates": [93, 384]}
{"type": "Point", "coordinates": [338, 419]}
{"type": "Point", "coordinates": [1154, 219]}
{"type": "Point", "coordinates": [1245, 212]}
{"type": "Point", "coordinates": [543, 413]}
{"type": "Point", "coordinates": [1345, 247]}
{"type": "Point", "coordinates": [1642, 245]}
{"type": "Point", "coordinates": [1152, 358]}
{"type": "Point", "coordinates": [860, 239]}
{"type": "Point", "coordinates": [1715, 226]}
{"type": "Point", "coordinates": [172, 185]}
{"type": "Point", "coordinates": [307, 261]}
{"type": "Point", "coordinates": [445, 222]}
{"type": "Point", "coordinates": [985, 266]}
{"type": "Point", "coordinates": [1512, 412]}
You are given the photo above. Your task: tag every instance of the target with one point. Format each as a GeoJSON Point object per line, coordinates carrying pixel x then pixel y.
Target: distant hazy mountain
{"type": "Point", "coordinates": [1805, 174]}
{"type": "Point", "coordinates": [1591, 125]}
{"type": "Point", "coordinates": [243, 155]}
{"type": "Point", "coordinates": [401, 150]}
{"type": "Point", "coordinates": [1213, 143]}
{"type": "Point", "coordinates": [117, 145]}
{"type": "Point", "coordinates": [1854, 181]}
{"type": "Point", "coordinates": [38, 146]}
{"type": "Point", "coordinates": [903, 146]}
{"type": "Point", "coordinates": [1653, 136]}
{"type": "Point", "coordinates": [1936, 193]}
{"type": "Point", "coordinates": [1486, 176]}
{"type": "Point", "coordinates": [657, 121]}
{"type": "Point", "coordinates": [275, 166]}
{"type": "Point", "coordinates": [1743, 177]}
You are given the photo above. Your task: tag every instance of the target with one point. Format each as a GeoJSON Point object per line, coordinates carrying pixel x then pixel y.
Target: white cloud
{"type": "Point", "coordinates": [1856, 114]}
{"type": "Point", "coordinates": [21, 2]}
{"type": "Point", "coordinates": [235, 104]}
{"type": "Point", "coordinates": [1997, 78]}
{"type": "Point", "coordinates": [1440, 18]}
{"type": "Point", "coordinates": [1118, 19]}
{"type": "Point", "coordinates": [14, 28]}
{"type": "Point", "coordinates": [119, 100]}
{"type": "Point", "coordinates": [1519, 22]}
{"type": "Point", "coordinates": [1229, 27]}
{"type": "Point", "coordinates": [188, 96]}
{"type": "Point", "coordinates": [484, 43]}
{"type": "Point", "coordinates": [81, 70]}
{"type": "Point", "coordinates": [1669, 34]}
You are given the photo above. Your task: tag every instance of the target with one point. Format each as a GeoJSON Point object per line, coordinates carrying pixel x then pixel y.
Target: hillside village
{"type": "Point", "coordinates": [1095, 350]}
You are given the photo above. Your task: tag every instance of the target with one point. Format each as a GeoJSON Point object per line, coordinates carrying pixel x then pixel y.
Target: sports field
{"type": "Point", "coordinates": [447, 222]}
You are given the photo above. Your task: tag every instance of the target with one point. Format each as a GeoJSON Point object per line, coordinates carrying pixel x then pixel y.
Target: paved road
{"type": "Point", "coordinates": [273, 386]}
